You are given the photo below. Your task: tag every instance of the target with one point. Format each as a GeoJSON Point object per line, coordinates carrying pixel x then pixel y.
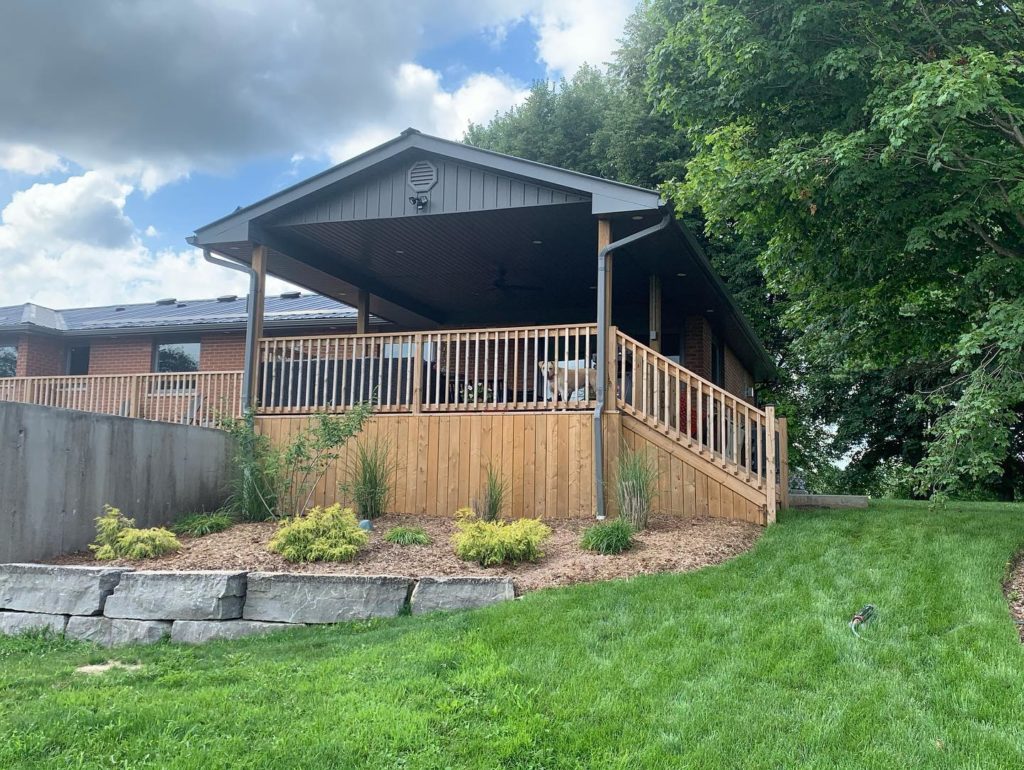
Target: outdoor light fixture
{"type": "Point", "coordinates": [419, 201]}
{"type": "Point", "coordinates": [681, 275]}
{"type": "Point", "coordinates": [637, 217]}
{"type": "Point", "coordinates": [537, 243]}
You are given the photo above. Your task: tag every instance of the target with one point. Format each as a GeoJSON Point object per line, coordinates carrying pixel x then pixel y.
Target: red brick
{"type": "Point", "coordinates": [221, 352]}
{"type": "Point", "coordinates": [40, 356]}
{"type": "Point", "coordinates": [121, 355]}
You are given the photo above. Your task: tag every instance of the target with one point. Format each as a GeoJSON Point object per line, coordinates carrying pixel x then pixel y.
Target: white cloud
{"type": "Point", "coordinates": [422, 102]}
{"type": "Point", "coordinates": [26, 159]}
{"type": "Point", "coordinates": [71, 244]}
{"type": "Point", "coordinates": [573, 32]}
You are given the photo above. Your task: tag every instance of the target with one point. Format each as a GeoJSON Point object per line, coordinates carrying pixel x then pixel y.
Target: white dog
{"type": "Point", "coordinates": [565, 382]}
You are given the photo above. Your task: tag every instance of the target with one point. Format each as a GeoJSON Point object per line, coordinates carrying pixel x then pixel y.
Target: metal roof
{"type": "Point", "coordinates": [282, 310]}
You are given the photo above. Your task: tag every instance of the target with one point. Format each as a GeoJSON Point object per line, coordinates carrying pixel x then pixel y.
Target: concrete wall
{"type": "Point", "coordinates": [59, 467]}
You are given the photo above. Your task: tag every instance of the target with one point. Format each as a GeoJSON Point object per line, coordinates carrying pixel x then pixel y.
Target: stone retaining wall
{"type": "Point", "coordinates": [112, 605]}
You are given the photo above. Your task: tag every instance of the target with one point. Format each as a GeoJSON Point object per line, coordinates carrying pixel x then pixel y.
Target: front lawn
{"type": "Point", "coordinates": [747, 664]}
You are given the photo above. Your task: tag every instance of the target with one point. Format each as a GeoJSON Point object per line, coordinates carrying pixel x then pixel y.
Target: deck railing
{"type": "Point", "coordinates": [192, 398]}
{"type": "Point", "coordinates": [696, 412]}
{"type": "Point", "coordinates": [523, 368]}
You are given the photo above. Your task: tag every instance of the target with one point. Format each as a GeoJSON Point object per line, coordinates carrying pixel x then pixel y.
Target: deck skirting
{"type": "Point", "coordinates": [441, 462]}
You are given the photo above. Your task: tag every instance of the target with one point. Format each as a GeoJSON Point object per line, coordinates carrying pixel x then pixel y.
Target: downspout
{"type": "Point", "coordinates": [249, 323]}
{"type": "Point", "coordinates": [602, 352]}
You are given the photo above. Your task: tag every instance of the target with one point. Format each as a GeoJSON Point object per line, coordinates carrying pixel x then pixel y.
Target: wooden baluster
{"type": "Point", "coordinates": [721, 425]}
{"type": "Point", "coordinates": [735, 437]}
{"type": "Point", "coordinates": [769, 463]}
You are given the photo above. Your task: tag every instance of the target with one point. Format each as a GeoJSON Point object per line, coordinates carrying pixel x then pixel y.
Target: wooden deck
{"type": "Point", "coordinates": [449, 403]}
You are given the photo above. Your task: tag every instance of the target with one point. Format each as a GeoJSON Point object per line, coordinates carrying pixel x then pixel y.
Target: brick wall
{"type": "Point", "coordinates": [697, 346]}
{"type": "Point", "coordinates": [40, 356]}
{"type": "Point", "coordinates": [221, 352]}
{"type": "Point", "coordinates": [737, 378]}
{"type": "Point", "coordinates": [121, 355]}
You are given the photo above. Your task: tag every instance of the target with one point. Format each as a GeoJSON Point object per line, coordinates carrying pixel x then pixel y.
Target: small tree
{"type": "Point", "coordinates": [275, 483]}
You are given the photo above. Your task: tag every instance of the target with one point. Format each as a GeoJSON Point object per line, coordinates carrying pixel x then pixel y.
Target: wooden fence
{"type": "Point", "coordinates": [189, 398]}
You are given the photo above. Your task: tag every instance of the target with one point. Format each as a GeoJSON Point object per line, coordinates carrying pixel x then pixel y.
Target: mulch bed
{"type": "Point", "coordinates": [1014, 590]}
{"type": "Point", "coordinates": [670, 544]}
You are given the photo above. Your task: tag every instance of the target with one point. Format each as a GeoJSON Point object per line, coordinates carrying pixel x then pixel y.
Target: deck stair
{"type": "Point", "coordinates": [716, 436]}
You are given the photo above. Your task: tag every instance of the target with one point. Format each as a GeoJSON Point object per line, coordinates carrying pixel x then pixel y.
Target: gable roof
{"type": "Point", "coordinates": [488, 240]}
{"type": "Point", "coordinates": [606, 196]}
{"type": "Point", "coordinates": [227, 312]}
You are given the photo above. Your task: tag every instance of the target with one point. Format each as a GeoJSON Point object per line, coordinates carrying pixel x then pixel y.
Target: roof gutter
{"type": "Point", "coordinates": [602, 351]}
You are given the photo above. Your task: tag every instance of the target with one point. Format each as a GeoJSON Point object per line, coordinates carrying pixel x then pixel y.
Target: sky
{"type": "Point", "coordinates": [125, 126]}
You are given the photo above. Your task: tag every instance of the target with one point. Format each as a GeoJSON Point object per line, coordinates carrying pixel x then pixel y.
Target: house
{"type": "Point", "coordinates": [549, 318]}
{"type": "Point", "coordinates": [507, 314]}
{"type": "Point", "coordinates": [163, 336]}
{"type": "Point", "coordinates": [160, 360]}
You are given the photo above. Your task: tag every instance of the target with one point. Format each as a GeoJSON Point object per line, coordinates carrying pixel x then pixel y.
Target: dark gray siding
{"type": "Point", "coordinates": [459, 188]}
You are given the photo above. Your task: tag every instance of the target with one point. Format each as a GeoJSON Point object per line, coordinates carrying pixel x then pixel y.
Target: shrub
{"type": "Point", "coordinates": [636, 487]}
{"type": "Point", "coordinates": [608, 537]}
{"type": "Point", "coordinates": [408, 536]}
{"type": "Point", "coordinates": [203, 523]}
{"type": "Point", "coordinates": [371, 478]}
{"type": "Point", "coordinates": [323, 534]}
{"type": "Point", "coordinates": [497, 542]}
{"type": "Point", "coordinates": [495, 492]}
{"type": "Point", "coordinates": [118, 538]}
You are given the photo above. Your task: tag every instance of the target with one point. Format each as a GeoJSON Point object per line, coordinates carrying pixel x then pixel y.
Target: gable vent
{"type": "Point", "coordinates": [422, 176]}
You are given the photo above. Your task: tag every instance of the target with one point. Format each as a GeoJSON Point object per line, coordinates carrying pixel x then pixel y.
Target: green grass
{"type": "Point", "coordinates": [748, 664]}
{"type": "Point", "coordinates": [203, 523]}
{"type": "Point", "coordinates": [608, 537]}
{"type": "Point", "coordinates": [408, 536]}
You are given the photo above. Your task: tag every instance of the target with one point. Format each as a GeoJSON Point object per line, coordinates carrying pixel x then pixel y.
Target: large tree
{"type": "Point", "coordinates": [873, 154]}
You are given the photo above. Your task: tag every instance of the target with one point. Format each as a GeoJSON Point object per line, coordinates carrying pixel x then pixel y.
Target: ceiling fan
{"type": "Point", "coordinates": [501, 283]}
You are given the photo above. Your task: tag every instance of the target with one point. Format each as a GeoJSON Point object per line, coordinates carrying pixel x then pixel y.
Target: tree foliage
{"type": "Point", "coordinates": [857, 171]}
{"type": "Point", "coordinates": [874, 151]}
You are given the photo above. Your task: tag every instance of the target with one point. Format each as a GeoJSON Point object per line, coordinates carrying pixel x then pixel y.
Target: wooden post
{"type": "Point", "coordinates": [257, 300]}
{"type": "Point", "coordinates": [135, 407]}
{"type": "Point", "coordinates": [604, 237]}
{"type": "Point", "coordinates": [783, 461]}
{"type": "Point", "coordinates": [654, 303]}
{"type": "Point", "coordinates": [362, 311]}
{"type": "Point", "coordinates": [769, 461]}
{"type": "Point", "coordinates": [417, 373]}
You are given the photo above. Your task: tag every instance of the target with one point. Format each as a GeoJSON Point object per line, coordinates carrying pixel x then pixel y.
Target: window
{"type": "Point", "coordinates": [177, 357]}
{"type": "Point", "coordinates": [78, 359]}
{"type": "Point", "coordinates": [8, 360]}
{"type": "Point", "coordinates": [717, 362]}
{"type": "Point", "coordinates": [404, 350]}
